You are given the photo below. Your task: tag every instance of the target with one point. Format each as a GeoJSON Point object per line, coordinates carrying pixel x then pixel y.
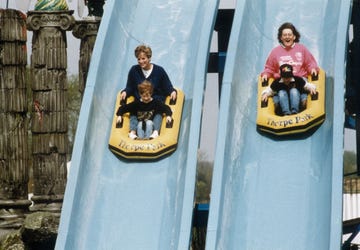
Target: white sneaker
{"type": "Point", "coordinates": [154, 134]}
{"type": "Point", "coordinates": [132, 136]}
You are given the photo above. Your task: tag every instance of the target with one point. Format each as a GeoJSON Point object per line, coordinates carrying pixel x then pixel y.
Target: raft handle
{"type": "Point", "coordinates": [264, 104]}
{"type": "Point", "coordinates": [172, 102]}
{"type": "Point", "coordinates": [122, 102]}
{"type": "Point", "coordinates": [315, 96]}
{"type": "Point", "coordinates": [119, 124]}
{"type": "Point", "coordinates": [265, 83]}
{"type": "Point", "coordinates": [314, 77]}
{"type": "Point", "coordinates": [170, 124]}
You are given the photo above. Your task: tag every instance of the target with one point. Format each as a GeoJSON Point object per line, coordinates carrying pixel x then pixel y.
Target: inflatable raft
{"type": "Point", "coordinates": [312, 116]}
{"type": "Point", "coordinates": [165, 143]}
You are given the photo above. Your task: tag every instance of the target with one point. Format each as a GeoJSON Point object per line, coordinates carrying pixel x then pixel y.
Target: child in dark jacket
{"type": "Point", "coordinates": [290, 89]}
{"type": "Point", "coordinates": [145, 110]}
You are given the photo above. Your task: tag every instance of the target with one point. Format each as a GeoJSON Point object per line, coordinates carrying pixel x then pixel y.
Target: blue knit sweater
{"type": "Point", "coordinates": [158, 77]}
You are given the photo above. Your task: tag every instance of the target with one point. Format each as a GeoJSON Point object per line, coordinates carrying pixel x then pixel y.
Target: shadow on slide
{"type": "Point", "coordinates": [270, 194]}
{"type": "Point", "coordinates": [114, 204]}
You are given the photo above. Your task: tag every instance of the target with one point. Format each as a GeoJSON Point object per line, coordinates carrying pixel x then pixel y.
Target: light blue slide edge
{"type": "Point", "coordinates": [279, 194]}
{"type": "Point", "coordinates": [110, 203]}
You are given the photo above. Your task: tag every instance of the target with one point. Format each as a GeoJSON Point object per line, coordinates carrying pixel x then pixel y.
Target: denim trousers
{"type": "Point", "coordinates": [289, 101]}
{"type": "Point", "coordinates": [144, 132]}
{"type": "Point", "coordinates": [156, 122]}
{"type": "Point", "coordinates": [276, 100]}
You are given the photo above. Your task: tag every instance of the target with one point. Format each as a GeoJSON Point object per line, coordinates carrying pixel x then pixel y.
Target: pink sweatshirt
{"type": "Point", "coordinates": [298, 56]}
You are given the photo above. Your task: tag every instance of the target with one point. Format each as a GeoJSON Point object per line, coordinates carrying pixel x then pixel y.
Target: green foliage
{"type": "Point", "coordinates": [351, 182]}
{"type": "Point", "coordinates": [29, 102]}
{"type": "Point", "coordinates": [349, 162]}
{"type": "Point", "coordinates": [29, 98]}
{"type": "Point", "coordinates": [203, 181]}
{"type": "Point", "coordinates": [74, 103]}
{"type": "Point", "coordinates": [12, 241]}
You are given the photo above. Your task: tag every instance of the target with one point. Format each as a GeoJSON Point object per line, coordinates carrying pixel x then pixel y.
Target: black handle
{"type": "Point", "coordinates": [119, 124]}
{"type": "Point", "coordinates": [264, 104]}
{"type": "Point", "coordinates": [172, 101]}
{"type": "Point", "coordinates": [170, 124]}
{"type": "Point", "coordinates": [315, 96]}
{"type": "Point", "coordinates": [265, 83]}
{"type": "Point", "coordinates": [314, 77]}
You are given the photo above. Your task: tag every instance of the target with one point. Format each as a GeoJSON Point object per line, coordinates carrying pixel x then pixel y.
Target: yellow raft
{"type": "Point", "coordinates": [312, 116]}
{"type": "Point", "coordinates": [166, 143]}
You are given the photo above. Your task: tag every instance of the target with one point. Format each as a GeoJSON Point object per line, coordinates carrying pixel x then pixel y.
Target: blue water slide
{"type": "Point", "coordinates": [279, 193]}
{"type": "Point", "coordinates": [110, 203]}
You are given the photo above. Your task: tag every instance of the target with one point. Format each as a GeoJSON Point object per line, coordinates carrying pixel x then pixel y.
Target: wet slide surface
{"type": "Point", "coordinates": [270, 193]}
{"type": "Point", "coordinates": [115, 204]}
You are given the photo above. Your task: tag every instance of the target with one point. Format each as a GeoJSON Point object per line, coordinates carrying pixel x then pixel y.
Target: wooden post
{"type": "Point", "coordinates": [49, 115]}
{"type": "Point", "coordinates": [14, 164]}
{"type": "Point", "coordinates": [86, 30]}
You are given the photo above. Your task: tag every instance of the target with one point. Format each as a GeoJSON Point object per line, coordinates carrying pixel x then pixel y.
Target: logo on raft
{"type": "Point", "coordinates": [141, 147]}
{"type": "Point", "coordinates": [289, 121]}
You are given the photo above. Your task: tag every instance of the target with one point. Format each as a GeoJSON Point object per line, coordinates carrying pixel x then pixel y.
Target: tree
{"type": "Point", "coordinates": [351, 181]}
{"type": "Point", "coordinates": [74, 103]}
{"type": "Point", "coordinates": [203, 180]}
{"type": "Point", "coordinates": [349, 162]}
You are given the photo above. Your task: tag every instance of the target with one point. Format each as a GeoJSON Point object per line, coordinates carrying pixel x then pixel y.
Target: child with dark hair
{"type": "Point", "coordinates": [289, 89]}
{"type": "Point", "coordinates": [145, 109]}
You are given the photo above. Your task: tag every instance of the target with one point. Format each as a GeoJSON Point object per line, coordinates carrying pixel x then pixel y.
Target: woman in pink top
{"type": "Point", "coordinates": [290, 51]}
